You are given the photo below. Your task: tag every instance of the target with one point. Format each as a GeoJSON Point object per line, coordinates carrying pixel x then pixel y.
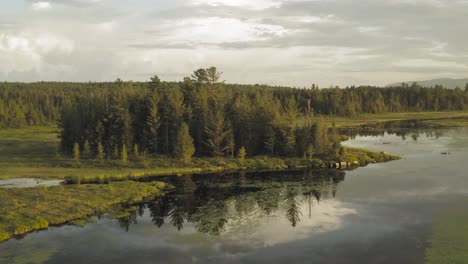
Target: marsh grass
{"type": "Point", "coordinates": [438, 117]}
{"type": "Point", "coordinates": [32, 152]}
{"type": "Point", "coordinates": [26, 210]}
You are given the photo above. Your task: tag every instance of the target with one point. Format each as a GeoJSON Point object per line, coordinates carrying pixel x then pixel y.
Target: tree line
{"type": "Point", "coordinates": [23, 104]}
{"type": "Point", "coordinates": [199, 116]}
{"type": "Point", "coordinates": [203, 116]}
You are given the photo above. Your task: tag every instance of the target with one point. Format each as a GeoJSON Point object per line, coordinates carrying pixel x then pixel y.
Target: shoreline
{"type": "Point", "coordinates": [82, 202]}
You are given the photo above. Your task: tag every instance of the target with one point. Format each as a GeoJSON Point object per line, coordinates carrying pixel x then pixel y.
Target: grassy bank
{"type": "Point", "coordinates": [449, 119]}
{"type": "Point", "coordinates": [356, 157]}
{"type": "Point", "coordinates": [26, 210]}
{"type": "Point", "coordinates": [32, 153]}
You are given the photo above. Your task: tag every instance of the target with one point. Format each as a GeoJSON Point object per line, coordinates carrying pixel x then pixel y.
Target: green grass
{"type": "Point", "coordinates": [30, 209]}
{"type": "Point", "coordinates": [31, 152]}
{"type": "Point", "coordinates": [29, 145]}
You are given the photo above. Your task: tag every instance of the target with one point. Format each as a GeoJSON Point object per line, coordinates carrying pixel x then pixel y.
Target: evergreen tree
{"type": "Point", "coordinates": [76, 152]}
{"type": "Point", "coordinates": [216, 131]}
{"type": "Point", "coordinates": [184, 149]}
{"type": "Point", "coordinates": [136, 152]}
{"type": "Point", "coordinates": [320, 137]}
{"type": "Point", "coordinates": [310, 151]}
{"type": "Point", "coordinates": [124, 155]}
{"type": "Point", "coordinates": [115, 153]}
{"type": "Point", "coordinates": [86, 150]}
{"type": "Point", "coordinates": [242, 153]}
{"type": "Point", "coordinates": [152, 123]}
{"type": "Point", "coordinates": [100, 152]}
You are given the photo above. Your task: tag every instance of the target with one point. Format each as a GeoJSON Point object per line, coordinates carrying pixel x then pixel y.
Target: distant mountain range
{"type": "Point", "coordinates": [445, 82]}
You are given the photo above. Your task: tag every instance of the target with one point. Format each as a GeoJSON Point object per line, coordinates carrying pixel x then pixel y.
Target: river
{"type": "Point", "coordinates": [381, 213]}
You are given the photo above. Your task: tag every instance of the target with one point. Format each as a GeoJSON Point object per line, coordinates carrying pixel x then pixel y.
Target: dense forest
{"type": "Point", "coordinates": [202, 115]}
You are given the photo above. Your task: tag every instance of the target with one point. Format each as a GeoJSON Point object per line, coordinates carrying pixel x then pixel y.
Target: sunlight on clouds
{"type": "Point", "coordinates": [21, 52]}
{"type": "Point", "coordinates": [106, 26]}
{"type": "Point", "coordinates": [294, 42]}
{"type": "Point", "coordinates": [368, 29]}
{"type": "Point", "coordinates": [430, 63]}
{"type": "Point", "coordinates": [217, 30]}
{"type": "Point", "coordinates": [250, 4]}
{"type": "Point", "coordinates": [438, 49]}
{"type": "Point", "coordinates": [41, 5]}
{"type": "Point", "coordinates": [268, 231]}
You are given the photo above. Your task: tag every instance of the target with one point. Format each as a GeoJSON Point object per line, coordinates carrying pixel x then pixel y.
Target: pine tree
{"type": "Point", "coordinates": [216, 132]}
{"type": "Point", "coordinates": [136, 152]}
{"type": "Point", "coordinates": [184, 149]}
{"type": "Point", "coordinates": [100, 152]}
{"type": "Point", "coordinates": [242, 153]}
{"type": "Point", "coordinates": [86, 150]}
{"type": "Point", "coordinates": [76, 152]}
{"type": "Point", "coordinates": [320, 137]}
{"type": "Point", "coordinates": [152, 123]}
{"type": "Point", "coordinates": [116, 153]}
{"type": "Point", "coordinates": [270, 140]}
{"type": "Point", "coordinates": [124, 155]}
{"type": "Point", "coordinates": [310, 151]}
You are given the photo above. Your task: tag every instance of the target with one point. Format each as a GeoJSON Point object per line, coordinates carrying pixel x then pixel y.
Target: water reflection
{"type": "Point", "coordinates": [210, 202]}
{"type": "Point", "coordinates": [403, 129]}
{"type": "Point", "coordinates": [382, 213]}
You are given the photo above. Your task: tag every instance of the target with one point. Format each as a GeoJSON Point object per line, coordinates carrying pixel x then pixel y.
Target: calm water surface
{"type": "Point", "coordinates": [382, 213]}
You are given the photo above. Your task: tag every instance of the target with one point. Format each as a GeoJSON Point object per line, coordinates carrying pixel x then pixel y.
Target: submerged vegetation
{"type": "Point", "coordinates": [26, 210]}
{"type": "Point", "coordinates": [449, 239]}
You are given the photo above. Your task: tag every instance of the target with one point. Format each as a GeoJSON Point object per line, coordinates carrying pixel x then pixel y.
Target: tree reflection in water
{"type": "Point", "coordinates": [403, 129]}
{"type": "Point", "coordinates": [209, 202]}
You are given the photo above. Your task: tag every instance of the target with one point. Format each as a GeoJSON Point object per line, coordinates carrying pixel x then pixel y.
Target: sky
{"type": "Point", "coordinates": [277, 42]}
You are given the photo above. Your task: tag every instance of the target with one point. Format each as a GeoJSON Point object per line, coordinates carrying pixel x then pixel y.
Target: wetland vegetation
{"type": "Point", "coordinates": [273, 151]}
{"type": "Point", "coordinates": [28, 209]}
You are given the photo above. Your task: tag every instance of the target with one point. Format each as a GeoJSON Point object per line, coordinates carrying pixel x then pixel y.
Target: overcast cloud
{"type": "Point", "coordinates": [280, 42]}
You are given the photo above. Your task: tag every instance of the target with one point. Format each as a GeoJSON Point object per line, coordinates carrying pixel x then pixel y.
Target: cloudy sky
{"type": "Point", "coordinates": [280, 42]}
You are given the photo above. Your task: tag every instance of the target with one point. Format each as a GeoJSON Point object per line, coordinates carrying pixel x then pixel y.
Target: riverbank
{"type": "Point", "coordinates": [26, 210]}
{"type": "Point", "coordinates": [446, 119]}
{"type": "Point", "coordinates": [32, 153]}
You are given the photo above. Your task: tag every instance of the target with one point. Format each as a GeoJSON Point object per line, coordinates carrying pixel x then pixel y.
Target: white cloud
{"type": "Point", "coordinates": [368, 29]}
{"type": "Point", "coordinates": [106, 26]}
{"type": "Point", "coordinates": [287, 42]}
{"type": "Point", "coordinates": [430, 63]}
{"type": "Point", "coordinates": [216, 30]}
{"type": "Point", "coordinates": [41, 5]}
{"type": "Point", "coordinates": [250, 4]}
{"type": "Point", "coordinates": [25, 52]}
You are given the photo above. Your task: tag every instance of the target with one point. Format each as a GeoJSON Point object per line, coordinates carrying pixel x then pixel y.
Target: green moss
{"type": "Point", "coordinates": [82, 221]}
{"type": "Point", "coordinates": [4, 235]}
{"type": "Point", "coordinates": [26, 210]}
{"type": "Point", "coordinates": [364, 156]}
